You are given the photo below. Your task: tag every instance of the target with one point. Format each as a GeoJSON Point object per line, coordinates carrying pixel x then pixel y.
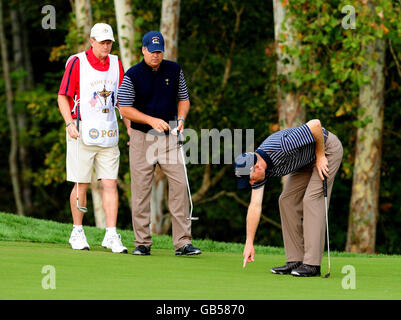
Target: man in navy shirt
{"type": "Point", "coordinates": [148, 97]}
{"type": "Point", "coordinates": [307, 154]}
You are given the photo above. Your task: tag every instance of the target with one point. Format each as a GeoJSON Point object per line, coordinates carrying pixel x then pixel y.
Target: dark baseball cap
{"type": "Point", "coordinates": [243, 167]}
{"type": "Point", "coordinates": [154, 41]}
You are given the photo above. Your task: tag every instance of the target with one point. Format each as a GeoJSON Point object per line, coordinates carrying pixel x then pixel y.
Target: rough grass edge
{"type": "Point", "coordinates": [28, 229]}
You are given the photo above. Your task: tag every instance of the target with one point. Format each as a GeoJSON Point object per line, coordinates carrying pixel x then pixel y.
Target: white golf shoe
{"type": "Point", "coordinates": [114, 243]}
{"type": "Point", "coordinates": [78, 240]}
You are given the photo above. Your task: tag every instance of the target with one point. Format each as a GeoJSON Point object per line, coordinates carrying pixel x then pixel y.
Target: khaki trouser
{"type": "Point", "coordinates": [144, 155]}
{"type": "Point", "coordinates": [302, 208]}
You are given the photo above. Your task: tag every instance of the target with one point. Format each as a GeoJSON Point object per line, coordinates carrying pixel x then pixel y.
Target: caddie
{"type": "Point", "coordinates": [87, 100]}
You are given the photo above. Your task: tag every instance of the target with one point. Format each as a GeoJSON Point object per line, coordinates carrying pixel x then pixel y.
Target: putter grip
{"type": "Point", "coordinates": [325, 186]}
{"type": "Point", "coordinates": [180, 140]}
{"type": "Point", "coordinates": [179, 137]}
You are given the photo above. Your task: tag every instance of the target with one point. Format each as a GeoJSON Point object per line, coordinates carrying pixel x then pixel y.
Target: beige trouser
{"type": "Point", "coordinates": [144, 155]}
{"type": "Point", "coordinates": [302, 208]}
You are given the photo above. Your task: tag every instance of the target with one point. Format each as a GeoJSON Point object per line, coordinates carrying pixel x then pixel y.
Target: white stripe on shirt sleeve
{"type": "Point", "coordinates": [182, 88]}
{"type": "Point", "coordinates": [126, 92]}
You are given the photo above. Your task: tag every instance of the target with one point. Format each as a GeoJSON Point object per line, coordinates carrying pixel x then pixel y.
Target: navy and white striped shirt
{"type": "Point", "coordinates": [286, 151]}
{"type": "Point", "coordinates": [126, 92]}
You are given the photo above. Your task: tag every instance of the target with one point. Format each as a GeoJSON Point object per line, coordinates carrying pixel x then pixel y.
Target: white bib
{"type": "Point", "coordinates": [98, 98]}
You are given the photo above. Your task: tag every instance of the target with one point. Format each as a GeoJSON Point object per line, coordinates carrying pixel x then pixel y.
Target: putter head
{"type": "Point", "coordinates": [193, 218]}
{"type": "Point", "coordinates": [327, 275]}
{"type": "Point", "coordinates": [82, 209]}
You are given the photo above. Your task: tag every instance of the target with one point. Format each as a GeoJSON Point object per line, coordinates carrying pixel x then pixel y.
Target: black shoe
{"type": "Point", "coordinates": [188, 250]}
{"type": "Point", "coordinates": [289, 266]}
{"type": "Point", "coordinates": [141, 251]}
{"type": "Point", "coordinates": [306, 270]}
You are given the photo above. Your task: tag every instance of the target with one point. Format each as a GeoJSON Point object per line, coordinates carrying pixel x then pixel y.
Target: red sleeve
{"type": "Point", "coordinates": [121, 73]}
{"type": "Point", "coordinates": [70, 83]}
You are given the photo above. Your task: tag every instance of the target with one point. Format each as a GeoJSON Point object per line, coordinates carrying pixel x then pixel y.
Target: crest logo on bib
{"type": "Point", "coordinates": [93, 133]}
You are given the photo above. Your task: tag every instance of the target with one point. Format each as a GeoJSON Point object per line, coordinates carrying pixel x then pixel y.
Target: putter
{"type": "Point", "coordinates": [82, 209]}
{"type": "Point", "coordinates": [327, 223]}
{"type": "Point", "coordinates": [181, 146]}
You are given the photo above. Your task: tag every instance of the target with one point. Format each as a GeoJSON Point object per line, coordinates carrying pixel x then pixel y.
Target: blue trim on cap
{"type": "Point", "coordinates": [155, 47]}
{"type": "Point", "coordinates": [243, 182]}
{"type": "Point", "coordinates": [244, 162]}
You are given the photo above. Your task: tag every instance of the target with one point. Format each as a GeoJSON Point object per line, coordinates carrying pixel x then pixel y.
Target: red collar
{"type": "Point", "coordinates": [95, 62]}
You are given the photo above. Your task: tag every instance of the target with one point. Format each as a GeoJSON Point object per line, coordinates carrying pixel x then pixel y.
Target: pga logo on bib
{"type": "Point", "coordinates": [94, 133]}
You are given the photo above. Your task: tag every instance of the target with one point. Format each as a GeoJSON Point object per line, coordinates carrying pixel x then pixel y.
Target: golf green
{"type": "Point", "coordinates": [100, 274]}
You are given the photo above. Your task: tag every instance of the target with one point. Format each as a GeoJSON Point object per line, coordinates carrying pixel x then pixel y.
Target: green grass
{"type": "Point", "coordinates": [27, 245]}
{"type": "Point", "coordinates": [15, 228]}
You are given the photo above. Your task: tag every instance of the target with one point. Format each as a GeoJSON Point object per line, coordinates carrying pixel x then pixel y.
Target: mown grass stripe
{"type": "Point", "coordinates": [16, 228]}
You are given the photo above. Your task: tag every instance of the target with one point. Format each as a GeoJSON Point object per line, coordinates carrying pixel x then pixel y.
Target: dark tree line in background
{"type": "Point", "coordinates": [264, 65]}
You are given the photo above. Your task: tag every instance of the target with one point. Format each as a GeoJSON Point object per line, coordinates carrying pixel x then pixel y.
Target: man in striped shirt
{"type": "Point", "coordinates": [306, 154]}
{"type": "Point", "coordinates": [148, 97]}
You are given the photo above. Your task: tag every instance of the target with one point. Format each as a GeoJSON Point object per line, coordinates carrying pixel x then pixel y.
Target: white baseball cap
{"type": "Point", "coordinates": [101, 32]}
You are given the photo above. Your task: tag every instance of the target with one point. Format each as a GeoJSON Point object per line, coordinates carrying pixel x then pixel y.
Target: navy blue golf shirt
{"type": "Point", "coordinates": [286, 151]}
{"type": "Point", "coordinates": [153, 92]}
